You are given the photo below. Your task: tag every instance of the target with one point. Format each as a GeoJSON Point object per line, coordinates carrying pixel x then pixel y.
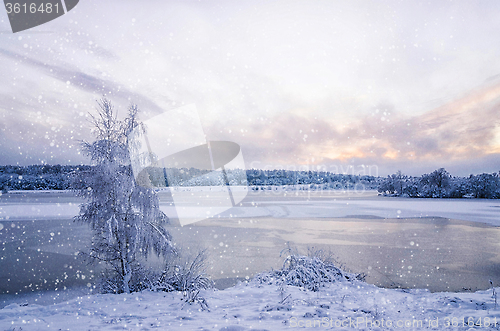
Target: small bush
{"type": "Point", "coordinates": [142, 279]}
{"type": "Point", "coordinates": [311, 271]}
{"type": "Point", "coordinates": [188, 277]}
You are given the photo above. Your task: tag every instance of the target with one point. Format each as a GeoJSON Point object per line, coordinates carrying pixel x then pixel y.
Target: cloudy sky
{"type": "Point", "coordinates": [394, 85]}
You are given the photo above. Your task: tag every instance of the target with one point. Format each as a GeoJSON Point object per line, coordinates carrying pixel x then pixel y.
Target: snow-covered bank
{"type": "Point", "coordinates": [339, 306]}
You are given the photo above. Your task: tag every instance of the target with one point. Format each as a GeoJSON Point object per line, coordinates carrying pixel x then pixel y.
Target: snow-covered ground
{"type": "Point", "coordinates": [339, 306]}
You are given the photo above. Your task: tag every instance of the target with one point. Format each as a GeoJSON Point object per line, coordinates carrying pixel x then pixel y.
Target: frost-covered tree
{"type": "Point", "coordinates": [484, 186]}
{"type": "Point", "coordinates": [436, 184]}
{"type": "Point", "coordinates": [393, 184]}
{"type": "Point", "coordinates": [126, 222]}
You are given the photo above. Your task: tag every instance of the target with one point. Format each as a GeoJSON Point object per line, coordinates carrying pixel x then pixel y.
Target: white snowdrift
{"type": "Point", "coordinates": [340, 306]}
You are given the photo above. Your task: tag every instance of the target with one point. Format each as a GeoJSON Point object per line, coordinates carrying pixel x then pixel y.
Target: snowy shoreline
{"type": "Point", "coordinates": [253, 306]}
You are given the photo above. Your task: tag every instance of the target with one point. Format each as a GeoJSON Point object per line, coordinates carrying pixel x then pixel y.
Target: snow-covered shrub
{"type": "Point", "coordinates": [188, 276]}
{"type": "Point", "coordinates": [311, 271]}
{"type": "Point", "coordinates": [142, 278]}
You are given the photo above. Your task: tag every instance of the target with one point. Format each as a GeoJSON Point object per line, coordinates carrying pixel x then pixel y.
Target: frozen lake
{"type": "Point", "coordinates": [277, 204]}
{"type": "Point", "coordinates": [397, 242]}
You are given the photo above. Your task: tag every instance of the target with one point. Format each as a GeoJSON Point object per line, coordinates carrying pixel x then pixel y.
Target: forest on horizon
{"type": "Point", "coordinates": [438, 184]}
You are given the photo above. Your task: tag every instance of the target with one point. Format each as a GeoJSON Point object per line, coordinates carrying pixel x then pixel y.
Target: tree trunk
{"type": "Point", "coordinates": [127, 275]}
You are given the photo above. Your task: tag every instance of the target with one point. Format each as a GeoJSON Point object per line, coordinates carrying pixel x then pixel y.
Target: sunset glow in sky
{"type": "Point", "coordinates": [400, 85]}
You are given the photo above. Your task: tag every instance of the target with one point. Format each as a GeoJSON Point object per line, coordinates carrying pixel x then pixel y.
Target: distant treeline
{"type": "Point", "coordinates": [38, 177]}
{"type": "Point", "coordinates": [440, 184]}
{"type": "Point", "coordinates": [59, 177]}
{"type": "Point", "coordinates": [318, 179]}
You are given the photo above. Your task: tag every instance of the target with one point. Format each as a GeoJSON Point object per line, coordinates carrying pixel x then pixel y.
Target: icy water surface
{"type": "Point", "coordinates": [39, 240]}
{"type": "Point", "coordinates": [434, 253]}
